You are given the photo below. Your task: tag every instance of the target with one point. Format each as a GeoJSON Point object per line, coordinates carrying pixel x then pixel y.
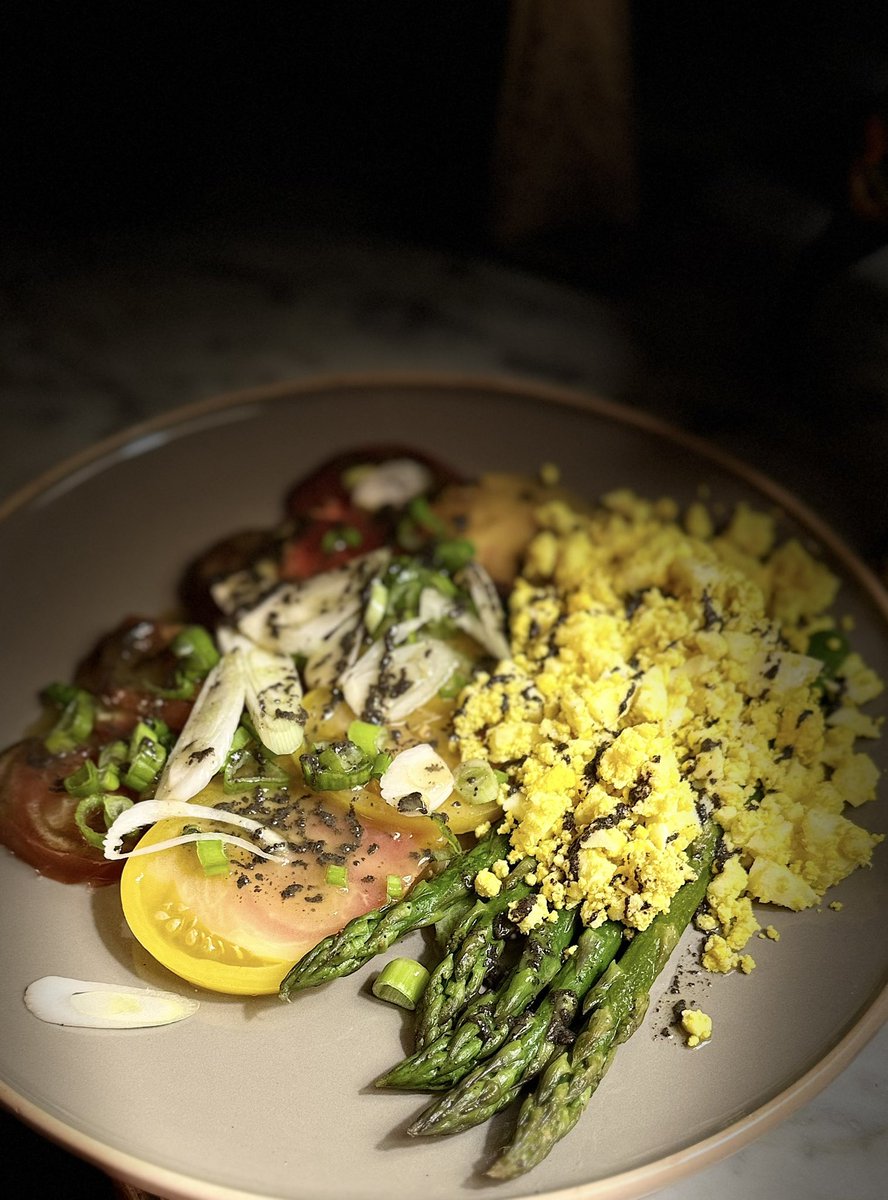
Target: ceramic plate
{"type": "Point", "coordinates": [263, 1099]}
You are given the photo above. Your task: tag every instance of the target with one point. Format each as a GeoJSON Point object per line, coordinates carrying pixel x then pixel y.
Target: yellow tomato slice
{"type": "Point", "coordinates": [241, 932]}
{"type": "Point", "coordinates": [329, 719]}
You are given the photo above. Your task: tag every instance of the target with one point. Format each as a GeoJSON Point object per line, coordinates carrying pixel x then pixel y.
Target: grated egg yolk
{"type": "Point", "coordinates": [659, 669]}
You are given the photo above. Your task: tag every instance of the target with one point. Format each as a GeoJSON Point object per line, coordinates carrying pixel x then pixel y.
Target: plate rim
{"type": "Point", "coordinates": [626, 1185]}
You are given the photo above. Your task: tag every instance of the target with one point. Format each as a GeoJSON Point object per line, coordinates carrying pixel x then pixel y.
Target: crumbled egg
{"type": "Point", "coordinates": [658, 670]}
{"type": "Point", "coordinates": [697, 1025]}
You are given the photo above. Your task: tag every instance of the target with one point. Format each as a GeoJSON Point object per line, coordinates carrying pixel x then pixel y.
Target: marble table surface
{"type": "Point", "coordinates": [92, 343]}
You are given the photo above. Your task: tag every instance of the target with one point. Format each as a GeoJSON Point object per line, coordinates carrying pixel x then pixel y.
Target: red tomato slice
{"type": "Point", "coordinates": [37, 816]}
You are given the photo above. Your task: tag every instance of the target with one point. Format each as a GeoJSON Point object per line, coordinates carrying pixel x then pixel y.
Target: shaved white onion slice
{"type": "Point", "coordinates": [244, 588]}
{"type": "Point", "coordinates": [148, 812]}
{"type": "Point", "coordinates": [335, 653]}
{"type": "Point", "coordinates": [205, 740]}
{"type": "Point", "coordinates": [391, 483]}
{"type": "Point", "coordinates": [90, 1005]}
{"type": "Point", "coordinates": [272, 691]}
{"type": "Point", "coordinates": [419, 771]}
{"type": "Point", "coordinates": [296, 618]}
{"type": "Point", "coordinates": [401, 679]}
{"type": "Point", "coordinates": [488, 627]}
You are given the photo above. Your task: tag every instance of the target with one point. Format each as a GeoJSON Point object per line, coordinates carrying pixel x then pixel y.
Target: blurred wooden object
{"type": "Point", "coordinates": [565, 152]}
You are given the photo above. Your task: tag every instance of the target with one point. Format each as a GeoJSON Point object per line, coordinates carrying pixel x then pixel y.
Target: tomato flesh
{"type": "Point", "coordinates": [37, 816]}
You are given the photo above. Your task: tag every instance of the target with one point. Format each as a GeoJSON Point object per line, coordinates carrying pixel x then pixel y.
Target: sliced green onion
{"type": "Point", "coordinates": [335, 767]}
{"type": "Point", "coordinates": [476, 781]}
{"type": "Point", "coordinates": [394, 887]}
{"type": "Point", "coordinates": [409, 535]}
{"type": "Point", "coordinates": [89, 779]}
{"type": "Point", "coordinates": [147, 756]}
{"type": "Point", "coordinates": [453, 686]}
{"type": "Point", "coordinates": [337, 876]}
{"type": "Point", "coordinates": [243, 735]}
{"type": "Point", "coordinates": [75, 723]}
{"type": "Point", "coordinates": [453, 554]}
{"type": "Point", "coordinates": [113, 754]}
{"type": "Point", "coordinates": [401, 981]}
{"type": "Point", "coordinates": [196, 648]}
{"type": "Point", "coordinates": [421, 512]}
{"type": "Point", "coordinates": [381, 764]}
{"type": "Point", "coordinates": [109, 806]}
{"type": "Point", "coordinates": [212, 856]}
{"type": "Point", "coordinates": [343, 537]}
{"type": "Point", "coordinates": [59, 694]}
{"type": "Point", "coordinates": [377, 604]}
{"type": "Point", "coordinates": [831, 647]}
{"type": "Point", "coordinates": [366, 737]}
{"type": "Point", "coordinates": [246, 769]}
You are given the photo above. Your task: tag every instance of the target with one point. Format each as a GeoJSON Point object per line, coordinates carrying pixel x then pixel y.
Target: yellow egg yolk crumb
{"type": "Point", "coordinates": [697, 1025]}
{"type": "Point", "coordinates": [659, 671]}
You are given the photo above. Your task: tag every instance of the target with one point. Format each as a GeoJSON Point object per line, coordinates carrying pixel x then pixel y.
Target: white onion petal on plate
{"type": "Point", "coordinates": [393, 483]}
{"type": "Point", "coordinates": [421, 771]}
{"type": "Point", "coordinates": [399, 680]}
{"type": "Point", "coordinates": [148, 812]}
{"type": "Point", "coordinates": [272, 692]}
{"type": "Point", "coordinates": [87, 1004]}
{"type": "Point", "coordinates": [206, 737]}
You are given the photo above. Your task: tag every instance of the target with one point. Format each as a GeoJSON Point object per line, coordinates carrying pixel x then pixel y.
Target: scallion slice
{"type": "Point", "coordinates": [147, 754]}
{"type": "Point", "coordinates": [75, 722]}
{"type": "Point", "coordinates": [401, 981]}
{"type": "Point", "coordinates": [376, 606]}
{"type": "Point", "coordinates": [452, 555]}
{"type": "Point", "coordinates": [90, 778]}
{"type": "Point", "coordinates": [394, 887]}
{"type": "Point", "coordinates": [247, 768]}
{"type": "Point", "coordinates": [109, 806]}
{"type": "Point", "coordinates": [212, 856]}
{"type": "Point", "coordinates": [195, 647]}
{"type": "Point", "coordinates": [336, 766]}
{"type": "Point", "coordinates": [425, 517]}
{"type": "Point", "coordinates": [366, 737]}
{"type": "Point", "coordinates": [337, 876]}
{"type": "Point", "coordinates": [476, 781]}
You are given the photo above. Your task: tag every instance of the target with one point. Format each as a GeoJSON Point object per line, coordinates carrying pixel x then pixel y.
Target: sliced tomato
{"type": "Point", "coordinates": [241, 932]}
{"type": "Point", "coordinates": [323, 496]}
{"type": "Point", "coordinates": [320, 505]}
{"type": "Point", "coordinates": [37, 816]}
{"type": "Point", "coordinates": [128, 671]}
{"type": "Point", "coordinates": [319, 547]}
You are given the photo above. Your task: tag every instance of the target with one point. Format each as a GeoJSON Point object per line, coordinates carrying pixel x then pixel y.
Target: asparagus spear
{"type": "Point", "coordinates": [489, 1020]}
{"type": "Point", "coordinates": [473, 950]}
{"type": "Point", "coordinates": [368, 935]}
{"type": "Point", "coordinates": [616, 1007]}
{"type": "Point", "coordinates": [494, 1083]}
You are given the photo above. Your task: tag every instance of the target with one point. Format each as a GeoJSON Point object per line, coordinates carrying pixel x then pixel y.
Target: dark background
{"type": "Point", "coordinates": [740, 278]}
{"type": "Point", "coordinates": [755, 299]}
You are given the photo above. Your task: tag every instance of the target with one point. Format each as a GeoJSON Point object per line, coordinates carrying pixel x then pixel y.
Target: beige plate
{"type": "Point", "coordinates": [262, 1099]}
